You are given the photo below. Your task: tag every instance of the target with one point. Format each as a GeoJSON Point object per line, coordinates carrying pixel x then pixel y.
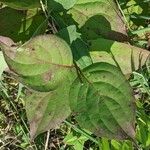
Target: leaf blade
{"type": "Point", "coordinates": [104, 103]}
{"type": "Point", "coordinates": [41, 63]}
{"type": "Point", "coordinates": [20, 25]}
{"type": "Point", "coordinates": [94, 21]}
{"type": "Point", "coordinates": [128, 58]}
{"type": "Point", "coordinates": [23, 4]}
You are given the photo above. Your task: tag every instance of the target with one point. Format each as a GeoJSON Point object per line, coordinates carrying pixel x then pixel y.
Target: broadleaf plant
{"type": "Point", "coordinates": [78, 64]}
{"type": "Point", "coordinates": [103, 102]}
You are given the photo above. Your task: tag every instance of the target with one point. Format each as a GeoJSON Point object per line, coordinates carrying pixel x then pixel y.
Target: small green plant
{"type": "Point", "coordinates": [75, 57]}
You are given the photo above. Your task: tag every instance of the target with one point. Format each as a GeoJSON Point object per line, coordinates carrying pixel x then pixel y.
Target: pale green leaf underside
{"type": "Point", "coordinates": [129, 58]}
{"type": "Point", "coordinates": [41, 63]}
{"type": "Point", "coordinates": [3, 64]}
{"type": "Point", "coordinates": [94, 20]}
{"type": "Point", "coordinates": [45, 64]}
{"type": "Point", "coordinates": [104, 103]}
{"type": "Point", "coordinates": [47, 110]}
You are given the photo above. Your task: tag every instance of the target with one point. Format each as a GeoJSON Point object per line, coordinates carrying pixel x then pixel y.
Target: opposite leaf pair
{"type": "Point", "coordinates": [93, 87]}
{"type": "Point", "coordinates": [99, 94]}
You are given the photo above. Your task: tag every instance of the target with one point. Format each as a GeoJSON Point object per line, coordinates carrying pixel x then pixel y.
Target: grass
{"type": "Point", "coordinates": [14, 128]}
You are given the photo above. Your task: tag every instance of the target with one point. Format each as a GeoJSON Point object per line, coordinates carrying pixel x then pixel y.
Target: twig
{"type": "Point", "coordinates": [124, 17]}
{"type": "Point", "coordinates": [47, 140]}
{"type": "Point", "coordinates": [47, 17]}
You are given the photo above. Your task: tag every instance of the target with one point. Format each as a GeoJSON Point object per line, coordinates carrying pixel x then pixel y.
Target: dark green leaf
{"type": "Point", "coordinates": [69, 34]}
{"type": "Point", "coordinates": [60, 5]}
{"type": "Point", "coordinates": [20, 25]}
{"type": "Point", "coordinates": [79, 48]}
{"type": "Point", "coordinates": [22, 4]}
{"type": "Point", "coordinates": [103, 102]}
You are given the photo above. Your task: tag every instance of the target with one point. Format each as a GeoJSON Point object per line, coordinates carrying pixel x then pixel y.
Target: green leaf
{"type": "Point", "coordinates": [45, 64]}
{"type": "Point", "coordinates": [94, 20]}
{"type": "Point", "coordinates": [3, 64]}
{"type": "Point", "coordinates": [60, 5]}
{"type": "Point", "coordinates": [22, 4]}
{"type": "Point", "coordinates": [69, 34]}
{"type": "Point", "coordinates": [104, 144]}
{"type": "Point", "coordinates": [21, 25]}
{"type": "Point", "coordinates": [75, 140]}
{"type": "Point", "coordinates": [137, 12]}
{"type": "Point", "coordinates": [47, 110]}
{"type": "Point", "coordinates": [116, 145]}
{"type": "Point", "coordinates": [103, 102]}
{"type": "Point", "coordinates": [127, 57]}
{"type": "Point", "coordinates": [79, 48]}
{"type": "Point", "coordinates": [7, 41]}
{"type": "Point", "coordinates": [42, 63]}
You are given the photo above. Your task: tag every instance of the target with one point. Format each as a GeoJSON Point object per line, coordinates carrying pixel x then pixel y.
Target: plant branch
{"type": "Point", "coordinates": [54, 30]}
